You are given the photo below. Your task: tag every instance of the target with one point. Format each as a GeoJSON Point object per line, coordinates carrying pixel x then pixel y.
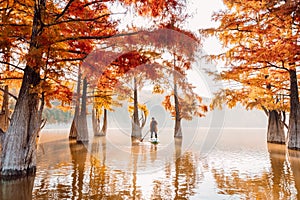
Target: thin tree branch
{"type": "Point", "coordinates": [78, 20]}
{"type": "Point", "coordinates": [10, 94]}
{"type": "Point", "coordinates": [65, 10]}
{"type": "Point", "coordinates": [68, 60]}
{"type": "Point", "coordinates": [68, 51]}
{"type": "Point", "coordinates": [14, 25]}
{"type": "Point", "coordinates": [15, 66]}
{"type": "Point", "coordinates": [96, 37]}
{"type": "Point", "coordinates": [265, 110]}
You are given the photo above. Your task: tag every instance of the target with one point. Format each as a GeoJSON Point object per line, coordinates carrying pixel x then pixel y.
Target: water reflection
{"type": "Point", "coordinates": [294, 158]}
{"type": "Point", "coordinates": [185, 172]}
{"type": "Point", "coordinates": [78, 156]}
{"type": "Point", "coordinates": [98, 170]}
{"type": "Point", "coordinates": [17, 189]}
{"type": "Point", "coordinates": [134, 170]}
{"type": "Point", "coordinates": [276, 183]}
{"type": "Point", "coordinates": [282, 179]}
{"type": "Point", "coordinates": [136, 149]}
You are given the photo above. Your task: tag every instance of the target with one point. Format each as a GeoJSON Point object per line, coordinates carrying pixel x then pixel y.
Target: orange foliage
{"type": "Point", "coordinates": [61, 35]}
{"type": "Point", "coordinates": [259, 37]}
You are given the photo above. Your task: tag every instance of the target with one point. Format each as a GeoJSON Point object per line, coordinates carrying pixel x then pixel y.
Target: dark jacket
{"type": "Point", "coordinates": [153, 126]}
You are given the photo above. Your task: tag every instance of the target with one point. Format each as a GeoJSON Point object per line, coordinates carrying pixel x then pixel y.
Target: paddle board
{"type": "Point", "coordinates": [154, 140]}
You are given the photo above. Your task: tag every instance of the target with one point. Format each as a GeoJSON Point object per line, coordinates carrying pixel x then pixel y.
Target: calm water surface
{"type": "Point", "coordinates": [232, 164]}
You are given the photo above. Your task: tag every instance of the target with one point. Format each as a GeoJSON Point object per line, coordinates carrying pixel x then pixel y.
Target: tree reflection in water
{"type": "Point", "coordinates": [277, 183]}
{"type": "Point", "coordinates": [182, 178]}
{"type": "Point", "coordinates": [282, 178]}
{"type": "Point", "coordinates": [17, 189]}
{"type": "Point", "coordinates": [135, 154]}
{"type": "Point", "coordinates": [78, 155]}
{"type": "Point", "coordinates": [104, 182]}
{"type": "Point", "coordinates": [134, 170]}
{"type": "Point", "coordinates": [294, 158]}
{"type": "Point", "coordinates": [98, 170]}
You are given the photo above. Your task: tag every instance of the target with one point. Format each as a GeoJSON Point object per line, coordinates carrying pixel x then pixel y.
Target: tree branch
{"type": "Point", "coordinates": [65, 10]}
{"type": "Point", "coordinates": [78, 20]}
{"type": "Point", "coordinates": [16, 25]}
{"type": "Point", "coordinates": [10, 94]}
{"type": "Point", "coordinates": [277, 67]}
{"type": "Point", "coordinates": [265, 110]}
{"type": "Point", "coordinates": [15, 66]}
{"type": "Point", "coordinates": [68, 60]}
{"type": "Point", "coordinates": [96, 37]}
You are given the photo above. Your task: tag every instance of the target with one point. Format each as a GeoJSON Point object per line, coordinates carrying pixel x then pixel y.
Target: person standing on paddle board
{"type": "Point", "coordinates": [153, 127]}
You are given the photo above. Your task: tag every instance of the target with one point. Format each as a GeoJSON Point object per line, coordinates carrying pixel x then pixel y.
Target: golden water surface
{"type": "Point", "coordinates": [235, 164]}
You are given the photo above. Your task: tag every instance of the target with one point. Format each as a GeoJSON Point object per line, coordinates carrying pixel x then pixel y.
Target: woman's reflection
{"type": "Point", "coordinates": [153, 153]}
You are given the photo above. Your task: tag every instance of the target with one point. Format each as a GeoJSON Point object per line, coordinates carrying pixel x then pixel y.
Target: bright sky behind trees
{"type": "Point", "coordinates": [203, 11]}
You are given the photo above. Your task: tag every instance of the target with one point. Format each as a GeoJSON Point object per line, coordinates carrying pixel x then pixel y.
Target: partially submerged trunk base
{"type": "Point", "coordinates": [16, 174]}
{"type": "Point", "coordinates": [275, 132]}
{"type": "Point", "coordinates": [178, 130]}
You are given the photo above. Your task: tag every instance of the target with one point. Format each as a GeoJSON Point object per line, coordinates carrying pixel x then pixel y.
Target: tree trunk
{"type": "Point", "coordinates": [177, 130]}
{"type": "Point", "coordinates": [294, 121]}
{"type": "Point", "coordinates": [73, 130]}
{"type": "Point", "coordinates": [275, 132]}
{"type": "Point", "coordinates": [136, 129]}
{"type": "Point", "coordinates": [83, 135]}
{"type": "Point", "coordinates": [95, 122]}
{"type": "Point", "coordinates": [19, 142]}
{"type": "Point", "coordinates": [104, 126]}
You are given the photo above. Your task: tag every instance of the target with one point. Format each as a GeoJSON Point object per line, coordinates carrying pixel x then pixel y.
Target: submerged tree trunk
{"type": "Point", "coordinates": [19, 142]}
{"type": "Point", "coordinates": [104, 126]}
{"type": "Point", "coordinates": [136, 128]}
{"type": "Point", "coordinates": [275, 132]}
{"type": "Point", "coordinates": [95, 122]}
{"type": "Point", "coordinates": [82, 135]}
{"type": "Point", "coordinates": [294, 121]}
{"type": "Point", "coordinates": [73, 130]}
{"type": "Point", "coordinates": [177, 130]}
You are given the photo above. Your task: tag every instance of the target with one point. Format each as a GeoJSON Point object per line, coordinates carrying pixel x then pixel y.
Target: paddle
{"type": "Point", "coordinates": [144, 136]}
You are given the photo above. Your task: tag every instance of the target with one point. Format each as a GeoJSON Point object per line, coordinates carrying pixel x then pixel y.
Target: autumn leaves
{"type": "Point", "coordinates": [261, 39]}
{"type": "Point", "coordinates": [44, 42]}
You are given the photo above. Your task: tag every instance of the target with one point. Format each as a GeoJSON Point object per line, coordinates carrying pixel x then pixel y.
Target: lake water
{"type": "Point", "coordinates": [206, 164]}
